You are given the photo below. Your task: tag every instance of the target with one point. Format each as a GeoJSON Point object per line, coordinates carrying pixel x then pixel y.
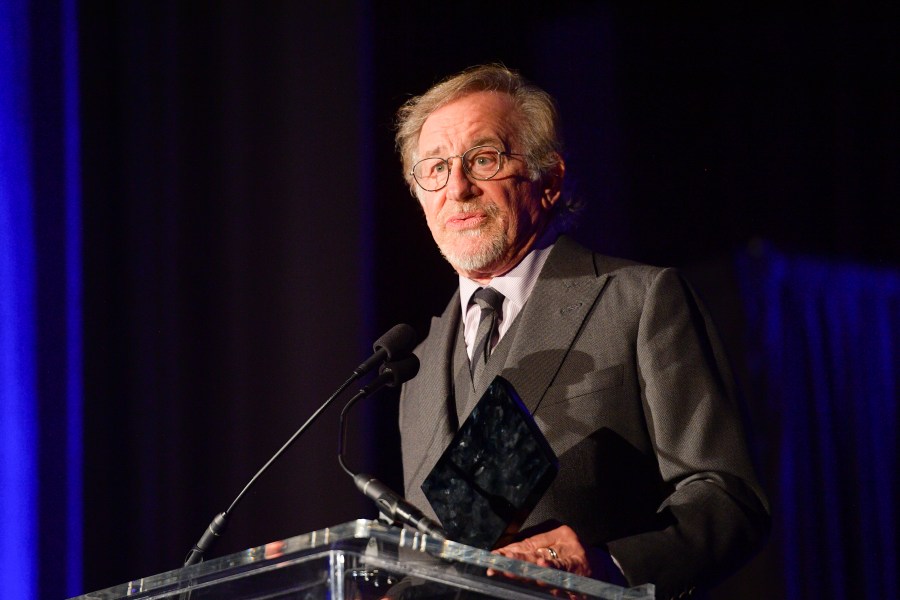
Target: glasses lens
{"type": "Point", "coordinates": [431, 173]}
{"type": "Point", "coordinates": [482, 162]}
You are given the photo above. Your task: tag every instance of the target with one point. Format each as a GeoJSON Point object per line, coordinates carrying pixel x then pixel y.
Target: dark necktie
{"type": "Point", "coordinates": [490, 301]}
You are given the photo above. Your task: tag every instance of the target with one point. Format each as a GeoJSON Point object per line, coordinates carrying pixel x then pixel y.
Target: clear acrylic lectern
{"type": "Point", "coordinates": [363, 560]}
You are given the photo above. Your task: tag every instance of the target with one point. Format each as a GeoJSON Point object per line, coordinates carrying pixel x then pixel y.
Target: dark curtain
{"type": "Point", "coordinates": [823, 356]}
{"type": "Point", "coordinates": [226, 284]}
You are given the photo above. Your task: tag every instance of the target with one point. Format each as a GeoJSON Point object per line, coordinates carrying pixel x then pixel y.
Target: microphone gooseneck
{"type": "Point", "coordinates": [398, 342]}
{"type": "Point", "coordinates": [390, 374]}
{"type": "Point", "coordinates": [389, 502]}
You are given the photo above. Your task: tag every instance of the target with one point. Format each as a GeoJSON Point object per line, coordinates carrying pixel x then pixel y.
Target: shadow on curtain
{"type": "Point", "coordinates": [823, 357]}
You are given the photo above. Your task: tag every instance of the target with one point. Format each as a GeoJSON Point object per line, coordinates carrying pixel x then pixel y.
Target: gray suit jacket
{"type": "Point", "coordinates": [621, 368]}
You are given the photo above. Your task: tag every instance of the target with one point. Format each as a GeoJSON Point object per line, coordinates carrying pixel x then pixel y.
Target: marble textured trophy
{"type": "Point", "coordinates": [495, 471]}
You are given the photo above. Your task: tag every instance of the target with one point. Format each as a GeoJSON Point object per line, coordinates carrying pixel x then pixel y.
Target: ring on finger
{"type": "Point", "coordinates": [553, 554]}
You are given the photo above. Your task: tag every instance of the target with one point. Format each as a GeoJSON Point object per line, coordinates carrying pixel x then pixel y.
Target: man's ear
{"type": "Point", "coordinates": [553, 184]}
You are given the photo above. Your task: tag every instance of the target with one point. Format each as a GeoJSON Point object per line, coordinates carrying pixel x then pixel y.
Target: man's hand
{"type": "Point", "coordinates": [560, 548]}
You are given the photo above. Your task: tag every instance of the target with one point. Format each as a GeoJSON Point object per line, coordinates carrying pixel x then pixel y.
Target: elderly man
{"type": "Point", "coordinates": [617, 362]}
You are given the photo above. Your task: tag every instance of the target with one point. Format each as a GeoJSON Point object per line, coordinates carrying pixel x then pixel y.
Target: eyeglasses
{"type": "Point", "coordinates": [481, 163]}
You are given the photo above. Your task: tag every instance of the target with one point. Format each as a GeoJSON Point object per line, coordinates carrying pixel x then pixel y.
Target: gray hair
{"type": "Point", "coordinates": [538, 134]}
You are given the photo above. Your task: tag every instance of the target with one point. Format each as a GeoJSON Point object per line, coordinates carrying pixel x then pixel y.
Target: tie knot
{"type": "Point", "coordinates": [488, 298]}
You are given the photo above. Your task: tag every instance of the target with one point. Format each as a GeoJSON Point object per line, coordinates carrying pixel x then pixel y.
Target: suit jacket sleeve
{"type": "Point", "coordinates": [714, 515]}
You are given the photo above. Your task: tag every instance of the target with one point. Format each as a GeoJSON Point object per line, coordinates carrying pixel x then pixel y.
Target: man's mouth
{"type": "Point", "coordinates": [467, 220]}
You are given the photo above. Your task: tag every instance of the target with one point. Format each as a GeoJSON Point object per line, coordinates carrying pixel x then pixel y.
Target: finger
{"type": "Point", "coordinates": [509, 552]}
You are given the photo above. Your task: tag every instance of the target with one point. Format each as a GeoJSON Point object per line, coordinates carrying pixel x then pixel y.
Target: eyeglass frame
{"type": "Point", "coordinates": [500, 153]}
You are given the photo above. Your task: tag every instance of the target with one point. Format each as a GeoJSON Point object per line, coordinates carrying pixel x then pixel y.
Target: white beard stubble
{"type": "Point", "coordinates": [488, 252]}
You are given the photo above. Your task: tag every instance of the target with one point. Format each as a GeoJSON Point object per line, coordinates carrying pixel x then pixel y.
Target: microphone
{"type": "Point", "coordinates": [397, 342]}
{"type": "Point", "coordinates": [392, 374]}
{"type": "Point", "coordinates": [390, 503]}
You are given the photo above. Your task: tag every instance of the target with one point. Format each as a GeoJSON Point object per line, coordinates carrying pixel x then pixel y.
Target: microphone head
{"type": "Point", "coordinates": [398, 341]}
{"type": "Point", "coordinates": [401, 370]}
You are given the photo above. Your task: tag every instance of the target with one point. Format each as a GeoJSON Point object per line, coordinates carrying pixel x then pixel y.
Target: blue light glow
{"type": "Point", "coordinates": [18, 386]}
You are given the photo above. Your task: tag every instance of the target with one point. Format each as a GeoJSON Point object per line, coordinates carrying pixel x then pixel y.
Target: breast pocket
{"type": "Point", "coordinates": [571, 386]}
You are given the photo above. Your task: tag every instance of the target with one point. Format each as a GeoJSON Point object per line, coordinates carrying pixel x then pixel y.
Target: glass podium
{"type": "Point", "coordinates": [366, 560]}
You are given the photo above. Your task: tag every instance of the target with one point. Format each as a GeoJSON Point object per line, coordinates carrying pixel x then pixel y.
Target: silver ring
{"type": "Point", "coordinates": [552, 553]}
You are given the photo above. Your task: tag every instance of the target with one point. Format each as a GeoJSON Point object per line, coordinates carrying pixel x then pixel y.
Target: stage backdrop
{"type": "Point", "coordinates": [238, 233]}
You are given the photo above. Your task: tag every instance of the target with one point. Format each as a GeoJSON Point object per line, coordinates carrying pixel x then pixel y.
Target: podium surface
{"type": "Point", "coordinates": [361, 560]}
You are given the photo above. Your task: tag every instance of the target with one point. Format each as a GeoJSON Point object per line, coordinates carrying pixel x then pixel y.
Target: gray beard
{"type": "Point", "coordinates": [489, 253]}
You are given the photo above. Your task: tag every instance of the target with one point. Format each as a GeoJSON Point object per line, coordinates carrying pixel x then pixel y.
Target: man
{"type": "Point", "coordinates": [617, 362]}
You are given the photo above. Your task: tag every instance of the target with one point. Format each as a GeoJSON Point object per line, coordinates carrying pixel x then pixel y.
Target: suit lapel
{"type": "Point", "coordinates": [564, 295]}
{"type": "Point", "coordinates": [436, 409]}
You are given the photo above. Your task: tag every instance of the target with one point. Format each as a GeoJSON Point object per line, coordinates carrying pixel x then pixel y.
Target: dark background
{"type": "Point", "coordinates": [247, 233]}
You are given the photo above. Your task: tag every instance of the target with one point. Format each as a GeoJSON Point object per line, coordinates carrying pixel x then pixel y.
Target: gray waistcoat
{"type": "Point", "coordinates": [465, 393]}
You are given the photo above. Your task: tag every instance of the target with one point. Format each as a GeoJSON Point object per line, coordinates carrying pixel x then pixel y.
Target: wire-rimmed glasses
{"type": "Point", "coordinates": [481, 163]}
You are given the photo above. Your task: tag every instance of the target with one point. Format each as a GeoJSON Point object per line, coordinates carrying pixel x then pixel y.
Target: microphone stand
{"type": "Point", "coordinates": [220, 522]}
{"type": "Point", "coordinates": [399, 340]}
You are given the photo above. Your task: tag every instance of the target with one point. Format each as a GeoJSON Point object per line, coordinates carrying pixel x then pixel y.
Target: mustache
{"type": "Point", "coordinates": [464, 208]}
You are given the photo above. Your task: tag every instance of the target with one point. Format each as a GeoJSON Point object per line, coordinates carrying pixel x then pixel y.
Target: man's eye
{"type": "Point", "coordinates": [484, 163]}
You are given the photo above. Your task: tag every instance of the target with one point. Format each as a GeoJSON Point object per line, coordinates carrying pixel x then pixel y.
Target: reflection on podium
{"type": "Point", "coordinates": [366, 560]}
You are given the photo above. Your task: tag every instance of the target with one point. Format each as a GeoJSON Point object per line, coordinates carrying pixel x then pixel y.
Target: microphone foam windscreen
{"type": "Point", "coordinates": [398, 341]}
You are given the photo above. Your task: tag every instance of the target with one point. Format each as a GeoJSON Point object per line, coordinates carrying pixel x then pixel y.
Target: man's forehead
{"type": "Point", "coordinates": [486, 140]}
{"type": "Point", "coordinates": [472, 120]}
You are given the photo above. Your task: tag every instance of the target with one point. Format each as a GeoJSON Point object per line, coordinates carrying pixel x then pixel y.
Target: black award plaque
{"type": "Point", "coordinates": [494, 472]}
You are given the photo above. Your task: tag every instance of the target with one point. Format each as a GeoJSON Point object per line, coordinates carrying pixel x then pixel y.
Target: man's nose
{"type": "Point", "coordinates": [460, 186]}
